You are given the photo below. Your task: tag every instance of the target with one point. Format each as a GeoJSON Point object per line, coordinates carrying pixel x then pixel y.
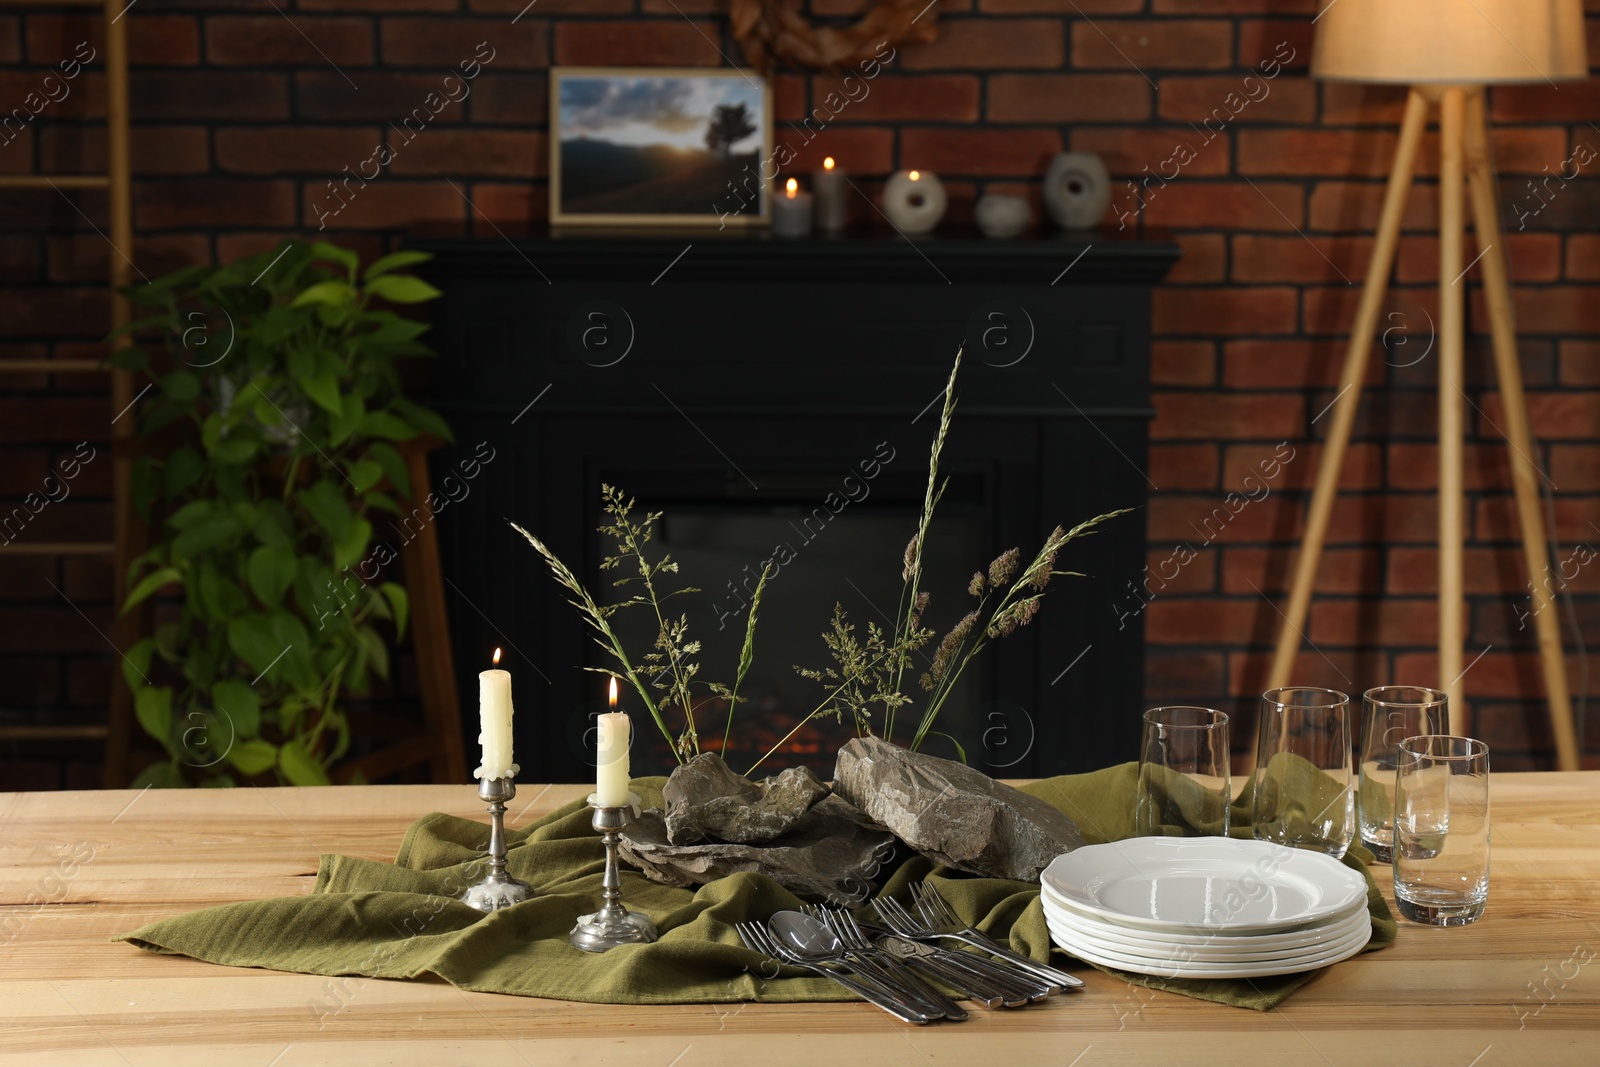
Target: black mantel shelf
{"type": "Point", "coordinates": [949, 256]}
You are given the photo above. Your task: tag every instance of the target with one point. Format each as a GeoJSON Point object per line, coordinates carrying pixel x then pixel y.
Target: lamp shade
{"type": "Point", "coordinates": [1459, 42]}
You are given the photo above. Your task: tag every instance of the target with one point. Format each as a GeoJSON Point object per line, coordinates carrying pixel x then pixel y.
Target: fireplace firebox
{"type": "Point", "coordinates": [777, 400]}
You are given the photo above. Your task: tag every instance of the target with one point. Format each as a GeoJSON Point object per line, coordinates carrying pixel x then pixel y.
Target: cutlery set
{"type": "Point", "coordinates": [903, 961]}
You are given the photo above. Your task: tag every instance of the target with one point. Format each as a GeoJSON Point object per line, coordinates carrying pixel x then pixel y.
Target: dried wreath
{"type": "Point", "coordinates": [775, 32]}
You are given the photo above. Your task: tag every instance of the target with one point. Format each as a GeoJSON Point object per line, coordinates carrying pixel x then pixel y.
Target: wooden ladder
{"type": "Point", "coordinates": [117, 183]}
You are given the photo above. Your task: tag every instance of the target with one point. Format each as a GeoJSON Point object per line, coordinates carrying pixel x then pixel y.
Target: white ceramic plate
{"type": "Point", "coordinates": [1080, 949]}
{"type": "Point", "coordinates": [1203, 884]}
{"type": "Point", "coordinates": [1220, 950]}
{"type": "Point", "coordinates": [1217, 940]}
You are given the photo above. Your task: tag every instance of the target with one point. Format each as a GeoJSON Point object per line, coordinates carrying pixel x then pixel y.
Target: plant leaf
{"type": "Point", "coordinates": [182, 469]}
{"type": "Point", "coordinates": [331, 293]}
{"type": "Point", "coordinates": [239, 703]}
{"type": "Point", "coordinates": [161, 775]}
{"type": "Point", "coordinates": [327, 504]}
{"type": "Point", "coordinates": [297, 765]}
{"type": "Point", "coordinates": [395, 261]}
{"type": "Point", "coordinates": [342, 256]}
{"type": "Point", "coordinates": [388, 457]}
{"type": "Point", "coordinates": [136, 663]}
{"type": "Point", "coordinates": [401, 289]}
{"type": "Point", "coordinates": [153, 706]}
{"type": "Point", "coordinates": [253, 757]}
{"type": "Point", "coordinates": [147, 586]}
{"type": "Point", "coordinates": [270, 570]}
{"type": "Point", "coordinates": [353, 545]}
{"type": "Point", "coordinates": [385, 424]}
{"type": "Point", "coordinates": [252, 640]}
{"type": "Point", "coordinates": [399, 603]}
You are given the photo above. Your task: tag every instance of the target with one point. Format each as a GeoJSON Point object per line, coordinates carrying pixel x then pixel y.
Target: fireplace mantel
{"type": "Point", "coordinates": [743, 362]}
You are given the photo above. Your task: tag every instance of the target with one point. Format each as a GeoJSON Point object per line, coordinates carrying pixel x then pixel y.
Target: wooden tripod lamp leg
{"type": "Point", "coordinates": [1519, 439]}
{"type": "Point", "coordinates": [1452, 345]}
{"type": "Point", "coordinates": [1349, 397]}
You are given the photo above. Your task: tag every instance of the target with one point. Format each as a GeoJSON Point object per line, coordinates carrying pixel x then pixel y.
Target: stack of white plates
{"type": "Point", "coordinates": [1210, 907]}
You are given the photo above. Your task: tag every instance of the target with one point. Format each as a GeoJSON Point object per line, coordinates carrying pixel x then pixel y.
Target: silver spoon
{"type": "Point", "coordinates": [810, 937]}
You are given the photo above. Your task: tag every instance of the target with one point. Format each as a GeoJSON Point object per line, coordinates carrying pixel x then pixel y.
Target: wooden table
{"type": "Point", "coordinates": [1522, 986]}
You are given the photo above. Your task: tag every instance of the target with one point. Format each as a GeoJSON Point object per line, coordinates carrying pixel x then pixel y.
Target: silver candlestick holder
{"type": "Point", "coordinates": [613, 924]}
{"type": "Point", "coordinates": [498, 889]}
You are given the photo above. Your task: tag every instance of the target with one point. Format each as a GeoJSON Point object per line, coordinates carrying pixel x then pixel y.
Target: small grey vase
{"type": "Point", "coordinates": [1001, 216]}
{"type": "Point", "coordinates": [1077, 190]}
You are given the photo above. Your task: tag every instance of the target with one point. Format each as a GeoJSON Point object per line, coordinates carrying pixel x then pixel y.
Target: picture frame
{"type": "Point", "coordinates": [647, 146]}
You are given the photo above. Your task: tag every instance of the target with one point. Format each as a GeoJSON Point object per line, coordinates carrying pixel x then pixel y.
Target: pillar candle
{"type": "Point", "coordinates": [791, 212]}
{"type": "Point", "coordinates": [611, 778]}
{"type": "Point", "coordinates": [829, 188]}
{"type": "Point", "coordinates": [494, 723]}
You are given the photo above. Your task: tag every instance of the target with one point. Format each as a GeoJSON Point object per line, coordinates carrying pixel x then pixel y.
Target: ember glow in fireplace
{"type": "Point", "coordinates": [776, 401]}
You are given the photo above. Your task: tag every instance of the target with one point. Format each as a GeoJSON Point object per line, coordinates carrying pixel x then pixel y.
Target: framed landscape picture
{"type": "Point", "coordinates": [659, 146]}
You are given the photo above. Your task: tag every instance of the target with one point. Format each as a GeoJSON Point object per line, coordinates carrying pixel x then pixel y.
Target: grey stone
{"type": "Point", "coordinates": [831, 854]}
{"type": "Point", "coordinates": [951, 813]}
{"type": "Point", "coordinates": [707, 800]}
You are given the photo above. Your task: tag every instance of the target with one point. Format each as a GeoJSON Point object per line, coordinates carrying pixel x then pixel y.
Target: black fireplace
{"type": "Point", "coordinates": [776, 400]}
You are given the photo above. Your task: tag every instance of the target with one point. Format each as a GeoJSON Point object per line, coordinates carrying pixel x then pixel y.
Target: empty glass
{"type": "Point", "coordinates": [1184, 785]}
{"type": "Point", "coordinates": [1304, 779]}
{"type": "Point", "coordinates": [1441, 829]}
{"type": "Point", "coordinates": [1390, 714]}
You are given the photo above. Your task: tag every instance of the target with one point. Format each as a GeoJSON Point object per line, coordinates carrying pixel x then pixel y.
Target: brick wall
{"type": "Point", "coordinates": [245, 113]}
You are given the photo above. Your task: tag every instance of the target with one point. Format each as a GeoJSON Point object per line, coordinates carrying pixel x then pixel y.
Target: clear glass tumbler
{"type": "Point", "coordinates": [1305, 778]}
{"type": "Point", "coordinates": [1390, 714]}
{"type": "Point", "coordinates": [1441, 829]}
{"type": "Point", "coordinates": [1184, 783]}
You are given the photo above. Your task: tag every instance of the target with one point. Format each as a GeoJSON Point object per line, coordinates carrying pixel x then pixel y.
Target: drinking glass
{"type": "Point", "coordinates": [1304, 780]}
{"type": "Point", "coordinates": [1441, 829]}
{"type": "Point", "coordinates": [1184, 785]}
{"type": "Point", "coordinates": [1390, 714]}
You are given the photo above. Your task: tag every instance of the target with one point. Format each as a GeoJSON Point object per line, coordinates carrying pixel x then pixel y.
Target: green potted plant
{"type": "Point", "coordinates": [276, 409]}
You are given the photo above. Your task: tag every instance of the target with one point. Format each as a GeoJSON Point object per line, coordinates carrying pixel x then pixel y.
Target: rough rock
{"type": "Point", "coordinates": [707, 800]}
{"type": "Point", "coordinates": [951, 813]}
{"type": "Point", "coordinates": [831, 854]}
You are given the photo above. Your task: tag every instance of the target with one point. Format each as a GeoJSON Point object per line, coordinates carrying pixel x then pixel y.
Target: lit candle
{"type": "Point", "coordinates": [494, 723]}
{"type": "Point", "coordinates": [914, 201]}
{"type": "Point", "coordinates": [828, 186]}
{"type": "Point", "coordinates": [791, 212]}
{"type": "Point", "coordinates": [611, 779]}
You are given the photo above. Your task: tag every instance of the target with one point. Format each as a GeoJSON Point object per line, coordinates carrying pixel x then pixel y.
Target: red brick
{"type": "Point", "coordinates": [1355, 104]}
{"type": "Point", "coordinates": [163, 40]}
{"type": "Point", "coordinates": [1173, 676]}
{"type": "Point", "coordinates": [1227, 99]}
{"type": "Point", "coordinates": [1575, 468]}
{"type": "Point", "coordinates": [233, 96]}
{"type": "Point", "coordinates": [178, 204]}
{"type": "Point", "coordinates": [789, 97]}
{"type": "Point", "coordinates": [1176, 467]}
{"type": "Point", "coordinates": [39, 419]}
{"type": "Point", "coordinates": [50, 629]}
{"type": "Point", "coordinates": [1286, 466]}
{"type": "Point", "coordinates": [451, 43]}
{"type": "Point", "coordinates": [295, 149]}
{"type": "Point", "coordinates": [1416, 466]}
{"type": "Point", "coordinates": [508, 209]}
{"type": "Point", "coordinates": [1226, 517]}
{"type": "Point", "coordinates": [381, 6]}
{"type": "Point", "coordinates": [1535, 257]}
{"type": "Point", "coordinates": [520, 153]}
{"type": "Point", "coordinates": [1495, 674]}
{"type": "Point", "coordinates": [1061, 7]}
{"type": "Point", "coordinates": [1311, 152]}
{"type": "Point", "coordinates": [1068, 98]}
{"type": "Point", "coordinates": [1149, 44]}
{"type": "Point", "coordinates": [1346, 207]}
{"type": "Point", "coordinates": [1332, 310]}
{"type": "Point", "coordinates": [1566, 102]}
{"type": "Point", "coordinates": [1268, 570]}
{"type": "Point", "coordinates": [1167, 152]}
{"type": "Point", "coordinates": [1228, 312]}
{"type": "Point", "coordinates": [1287, 41]}
{"type": "Point", "coordinates": [1188, 363]}
{"type": "Point", "coordinates": [10, 39]}
{"type": "Point", "coordinates": [156, 150]}
{"type": "Point", "coordinates": [510, 99]}
{"type": "Point", "coordinates": [1583, 257]}
{"type": "Point", "coordinates": [1205, 259]}
{"type": "Point", "coordinates": [1495, 519]}
{"type": "Point", "coordinates": [1199, 621]}
{"type": "Point", "coordinates": [54, 36]}
{"type": "Point", "coordinates": [960, 151]}
{"type": "Point", "coordinates": [1580, 363]}
{"type": "Point", "coordinates": [1235, 7]}
{"type": "Point", "coordinates": [242, 244]}
{"type": "Point", "coordinates": [1321, 259]}
{"type": "Point", "coordinates": [1415, 570]}
{"type": "Point", "coordinates": [638, 43]}
{"type": "Point", "coordinates": [860, 150]}
{"type": "Point", "coordinates": [1331, 668]}
{"type": "Point", "coordinates": [1556, 309]}
{"type": "Point", "coordinates": [889, 97]}
{"type": "Point", "coordinates": [386, 98]}
{"type": "Point", "coordinates": [1211, 417]}
{"type": "Point", "coordinates": [1217, 205]}
{"type": "Point", "coordinates": [1169, 575]}
{"type": "Point", "coordinates": [385, 205]}
{"type": "Point", "coordinates": [671, 7]}
{"type": "Point", "coordinates": [19, 262]}
{"type": "Point", "coordinates": [263, 40]}
{"type": "Point", "coordinates": [85, 95]}
{"type": "Point", "coordinates": [989, 44]}
{"type": "Point", "coordinates": [16, 154]}
{"type": "Point", "coordinates": [1284, 364]}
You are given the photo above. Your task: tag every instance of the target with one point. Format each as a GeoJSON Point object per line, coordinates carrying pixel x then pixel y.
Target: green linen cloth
{"type": "Point", "coordinates": [400, 920]}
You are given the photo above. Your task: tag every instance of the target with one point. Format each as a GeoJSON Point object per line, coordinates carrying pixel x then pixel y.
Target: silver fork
{"type": "Point", "coordinates": [859, 948]}
{"type": "Point", "coordinates": [758, 939]}
{"type": "Point", "coordinates": [1019, 985]}
{"type": "Point", "coordinates": [937, 911]}
{"type": "Point", "coordinates": [936, 963]}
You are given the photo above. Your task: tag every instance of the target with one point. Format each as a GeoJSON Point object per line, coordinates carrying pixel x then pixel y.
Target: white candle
{"type": "Point", "coordinates": [828, 187]}
{"type": "Point", "coordinates": [914, 201]}
{"type": "Point", "coordinates": [494, 723]}
{"type": "Point", "coordinates": [611, 778]}
{"type": "Point", "coordinates": [791, 212]}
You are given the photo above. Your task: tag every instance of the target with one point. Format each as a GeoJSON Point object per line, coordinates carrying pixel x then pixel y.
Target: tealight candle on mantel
{"type": "Point", "coordinates": [791, 212]}
{"type": "Point", "coordinates": [494, 723]}
{"type": "Point", "coordinates": [914, 200]}
{"type": "Point", "coordinates": [611, 766]}
{"type": "Point", "coordinates": [828, 187]}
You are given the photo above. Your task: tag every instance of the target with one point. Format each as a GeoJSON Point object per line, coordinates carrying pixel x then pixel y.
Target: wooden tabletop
{"type": "Point", "coordinates": [1521, 986]}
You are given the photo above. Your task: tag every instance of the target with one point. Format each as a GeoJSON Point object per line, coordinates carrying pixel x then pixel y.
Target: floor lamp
{"type": "Point", "coordinates": [1447, 51]}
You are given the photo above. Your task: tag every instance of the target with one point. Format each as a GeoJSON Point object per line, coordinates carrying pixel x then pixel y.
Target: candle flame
{"type": "Point", "coordinates": [791, 187]}
{"type": "Point", "coordinates": [827, 164]}
{"type": "Point", "coordinates": [613, 693]}
{"type": "Point", "coordinates": [915, 176]}
{"type": "Point", "coordinates": [497, 657]}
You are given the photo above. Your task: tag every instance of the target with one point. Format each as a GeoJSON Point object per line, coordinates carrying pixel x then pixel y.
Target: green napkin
{"type": "Point", "coordinates": [400, 920]}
